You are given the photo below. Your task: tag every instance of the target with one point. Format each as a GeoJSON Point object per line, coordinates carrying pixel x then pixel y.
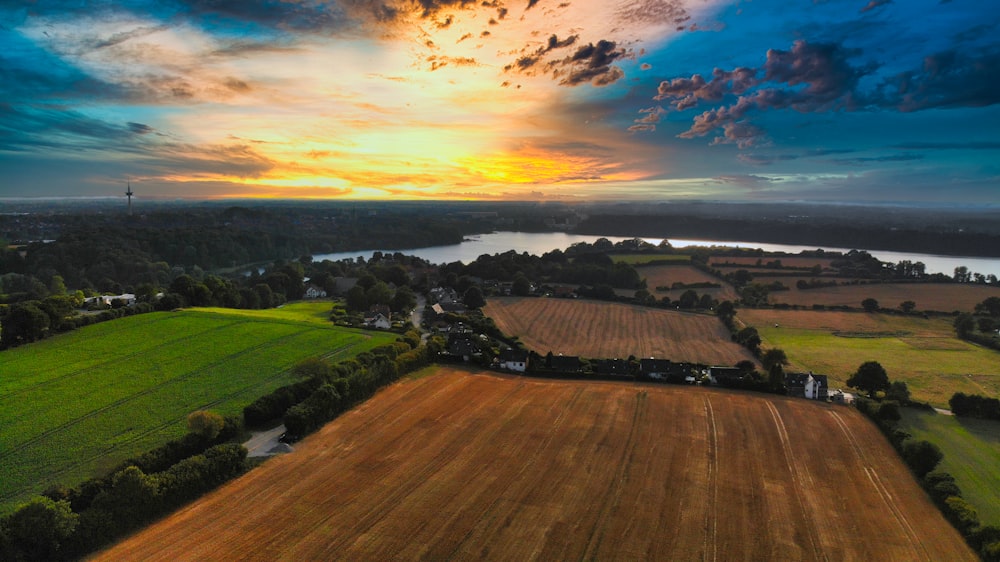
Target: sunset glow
{"type": "Point", "coordinates": [837, 100]}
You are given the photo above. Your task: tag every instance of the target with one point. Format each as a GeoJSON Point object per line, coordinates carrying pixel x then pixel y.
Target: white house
{"type": "Point", "coordinates": [314, 292]}
{"type": "Point", "coordinates": [514, 360]}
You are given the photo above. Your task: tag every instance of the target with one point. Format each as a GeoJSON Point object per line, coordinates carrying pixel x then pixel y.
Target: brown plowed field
{"type": "Point", "coordinates": [605, 329]}
{"type": "Point", "coordinates": [944, 297]}
{"type": "Point", "coordinates": [466, 466]}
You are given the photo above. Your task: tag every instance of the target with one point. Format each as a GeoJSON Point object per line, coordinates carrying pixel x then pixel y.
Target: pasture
{"type": "Point", "coordinates": [76, 405]}
{"type": "Point", "coordinates": [598, 329]}
{"type": "Point", "coordinates": [473, 466]}
{"type": "Point", "coordinates": [971, 450]}
{"type": "Point", "coordinates": [642, 259]}
{"type": "Point", "coordinates": [925, 353]}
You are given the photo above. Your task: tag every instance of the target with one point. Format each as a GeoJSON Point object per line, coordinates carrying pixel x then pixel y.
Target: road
{"type": "Point", "coordinates": [265, 443]}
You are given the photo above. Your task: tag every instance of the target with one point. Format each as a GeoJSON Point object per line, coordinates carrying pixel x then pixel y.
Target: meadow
{"type": "Point", "coordinates": [461, 465]}
{"type": "Point", "coordinates": [667, 275]}
{"type": "Point", "coordinates": [643, 259]}
{"type": "Point", "coordinates": [598, 329]}
{"type": "Point", "coordinates": [971, 450]}
{"type": "Point", "coordinates": [76, 405]}
{"type": "Point", "coordinates": [925, 353]}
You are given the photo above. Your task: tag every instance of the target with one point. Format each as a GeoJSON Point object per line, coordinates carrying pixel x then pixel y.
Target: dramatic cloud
{"type": "Point", "coordinates": [948, 79]}
{"type": "Point", "coordinates": [590, 63]}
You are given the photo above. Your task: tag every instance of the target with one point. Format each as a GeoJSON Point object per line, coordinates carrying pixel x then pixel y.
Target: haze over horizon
{"type": "Point", "coordinates": [866, 101]}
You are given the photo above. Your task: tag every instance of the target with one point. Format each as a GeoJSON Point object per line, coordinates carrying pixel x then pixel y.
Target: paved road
{"type": "Point", "coordinates": [265, 443]}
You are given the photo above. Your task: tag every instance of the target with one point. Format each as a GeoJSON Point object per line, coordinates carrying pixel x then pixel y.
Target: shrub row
{"type": "Point", "coordinates": [975, 406]}
{"type": "Point", "coordinates": [68, 524]}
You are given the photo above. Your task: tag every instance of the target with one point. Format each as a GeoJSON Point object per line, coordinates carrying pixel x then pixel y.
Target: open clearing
{"type": "Point", "coordinates": [468, 466]}
{"type": "Point", "coordinates": [922, 352]}
{"type": "Point", "coordinates": [943, 297]}
{"type": "Point", "coordinates": [77, 404]}
{"type": "Point", "coordinates": [971, 450]}
{"type": "Point", "coordinates": [603, 329]}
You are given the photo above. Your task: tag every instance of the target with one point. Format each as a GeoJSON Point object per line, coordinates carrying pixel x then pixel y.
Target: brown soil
{"type": "Point", "coordinates": [943, 297]}
{"type": "Point", "coordinates": [470, 466]}
{"type": "Point", "coordinates": [603, 329]}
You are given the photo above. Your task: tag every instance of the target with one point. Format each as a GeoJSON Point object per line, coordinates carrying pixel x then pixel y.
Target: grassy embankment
{"type": "Point", "coordinates": [971, 454]}
{"type": "Point", "coordinates": [925, 353]}
{"type": "Point", "coordinates": [77, 404]}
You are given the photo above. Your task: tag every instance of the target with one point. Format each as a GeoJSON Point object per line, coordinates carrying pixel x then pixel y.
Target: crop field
{"type": "Point", "coordinates": [971, 450]}
{"type": "Point", "coordinates": [667, 275]}
{"type": "Point", "coordinates": [640, 259]}
{"type": "Point", "coordinates": [78, 404]}
{"type": "Point", "coordinates": [922, 352]}
{"type": "Point", "coordinates": [473, 466]}
{"type": "Point", "coordinates": [943, 297]}
{"type": "Point", "coordinates": [604, 330]}
{"type": "Point", "coordinates": [786, 261]}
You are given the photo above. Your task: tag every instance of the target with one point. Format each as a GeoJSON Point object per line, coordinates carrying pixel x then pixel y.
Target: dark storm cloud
{"type": "Point", "coordinates": [529, 60]}
{"type": "Point", "coordinates": [22, 128]}
{"type": "Point", "coordinates": [808, 78]}
{"type": "Point", "coordinates": [139, 128]}
{"type": "Point", "coordinates": [590, 63]}
{"type": "Point", "coordinates": [947, 79]}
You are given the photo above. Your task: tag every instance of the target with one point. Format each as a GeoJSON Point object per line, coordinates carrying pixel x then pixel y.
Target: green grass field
{"type": "Point", "coordinates": [924, 353]}
{"type": "Point", "coordinates": [641, 259]}
{"type": "Point", "coordinates": [971, 454]}
{"type": "Point", "coordinates": [77, 404]}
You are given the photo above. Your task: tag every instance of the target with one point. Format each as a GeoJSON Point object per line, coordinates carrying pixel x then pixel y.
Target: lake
{"type": "Point", "coordinates": [538, 243]}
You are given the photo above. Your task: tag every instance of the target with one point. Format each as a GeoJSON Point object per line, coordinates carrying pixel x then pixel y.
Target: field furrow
{"type": "Point", "coordinates": [463, 465]}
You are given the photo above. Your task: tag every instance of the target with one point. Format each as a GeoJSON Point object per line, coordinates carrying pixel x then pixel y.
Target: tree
{"type": "Point", "coordinates": [772, 357]}
{"type": "Point", "coordinates": [986, 324]}
{"type": "Point", "coordinates": [473, 297]}
{"type": "Point", "coordinates": [688, 299]}
{"type": "Point", "coordinates": [870, 305]}
{"type": "Point", "coordinates": [776, 377]}
{"type": "Point", "coordinates": [205, 423]}
{"type": "Point", "coordinates": [921, 456]}
{"type": "Point", "coordinates": [356, 299]}
{"type": "Point", "coordinates": [749, 338]}
{"type": "Point", "coordinates": [907, 306]}
{"type": "Point", "coordinates": [870, 377]}
{"type": "Point", "coordinates": [726, 310]}
{"type": "Point", "coordinates": [964, 324]}
{"type": "Point", "coordinates": [38, 530]}
{"type": "Point", "coordinates": [404, 299]}
{"type": "Point", "coordinates": [990, 306]}
{"type": "Point", "coordinates": [522, 286]}
{"type": "Point", "coordinates": [899, 392]}
{"type": "Point", "coordinates": [24, 322]}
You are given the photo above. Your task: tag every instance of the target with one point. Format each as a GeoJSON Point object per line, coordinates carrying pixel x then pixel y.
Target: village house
{"type": "Point", "coordinates": [566, 364]}
{"type": "Point", "coordinates": [314, 292]}
{"type": "Point", "coordinates": [807, 385]}
{"type": "Point", "coordinates": [655, 369]}
{"type": "Point", "coordinates": [725, 376]}
{"type": "Point", "coordinates": [104, 301]}
{"type": "Point", "coordinates": [613, 367]}
{"type": "Point", "coordinates": [514, 360]}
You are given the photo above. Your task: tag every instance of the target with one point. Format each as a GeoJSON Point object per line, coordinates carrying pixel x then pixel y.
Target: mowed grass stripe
{"type": "Point", "coordinates": [137, 418]}
{"type": "Point", "coordinates": [121, 379]}
{"type": "Point", "coordinates": [76, 351]}
{"type": "Point", "coordinates": [124, 402]}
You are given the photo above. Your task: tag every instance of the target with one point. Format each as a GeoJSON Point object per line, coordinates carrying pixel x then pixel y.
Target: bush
{"type": "Point", "coordinates": [921, 456]}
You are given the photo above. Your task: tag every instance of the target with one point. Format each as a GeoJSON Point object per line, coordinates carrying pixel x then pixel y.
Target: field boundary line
{"type": "Point", "coordinates": [711, 521]}
{"type": "Point", "coordinates": [883, 492]}
{"type": "Point", "coordinates": [786, 448]}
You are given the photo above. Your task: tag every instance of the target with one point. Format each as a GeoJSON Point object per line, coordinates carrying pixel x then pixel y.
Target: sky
{"type": "Point", "coordinates": [878, 101]}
